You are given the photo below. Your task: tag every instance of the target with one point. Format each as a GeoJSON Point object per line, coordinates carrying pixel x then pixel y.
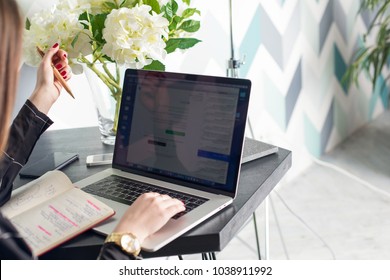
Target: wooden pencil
{"type": "Point", "coordinates": [57, 74]}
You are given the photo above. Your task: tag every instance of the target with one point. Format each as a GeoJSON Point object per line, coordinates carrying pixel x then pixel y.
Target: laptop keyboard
{"type": "Point", "coordinates": [126, 191]}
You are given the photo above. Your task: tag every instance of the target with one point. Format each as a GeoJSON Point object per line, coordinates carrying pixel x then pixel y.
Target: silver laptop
{"type": "Point", "coordinates": [182, 134]}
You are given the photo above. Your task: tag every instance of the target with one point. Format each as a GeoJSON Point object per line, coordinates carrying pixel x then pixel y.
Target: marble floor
{"type": "Point", "coordinates": [337, 208]}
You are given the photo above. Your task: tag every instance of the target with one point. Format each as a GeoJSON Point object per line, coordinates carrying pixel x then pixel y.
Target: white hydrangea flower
{"type": "Point", "coordinates": [135, 37]}
{"type": "Point", "coordinates": [81, 6]}
{"type": "Point", "coordinates": [53, 26]}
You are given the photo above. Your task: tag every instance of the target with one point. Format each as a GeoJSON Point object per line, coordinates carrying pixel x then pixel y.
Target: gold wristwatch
{"type": "Point", "coordinates": [127, 241]}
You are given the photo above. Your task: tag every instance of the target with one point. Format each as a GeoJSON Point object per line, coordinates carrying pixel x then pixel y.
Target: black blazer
{"type": "Point", "coordinates": [25, 131]}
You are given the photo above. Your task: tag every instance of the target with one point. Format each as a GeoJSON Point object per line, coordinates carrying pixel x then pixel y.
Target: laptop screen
{"type": "Point", "coordinates": [182, 128]}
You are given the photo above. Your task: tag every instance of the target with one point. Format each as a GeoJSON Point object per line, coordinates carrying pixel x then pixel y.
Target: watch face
{"type": "Point", "coordinates": [130, 244]}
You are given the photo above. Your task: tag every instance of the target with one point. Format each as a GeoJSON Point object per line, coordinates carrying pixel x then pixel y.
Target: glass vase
{"type": "Point", "coordinates": [102, 78]}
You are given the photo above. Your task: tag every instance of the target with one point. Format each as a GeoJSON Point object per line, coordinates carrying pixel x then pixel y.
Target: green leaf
{"type": "Point", "coordinates": [163, 11]}
{"type": "Point", "coordinates": [190, 25]}
{"type": "Point", "coordinates": [180, 43]}
{"type": "Point", "coordinates": [154, 4]}
{"type": "Point", "coordinates": [95, 24]}
{"type": "Point", "coordinates": [372, 59]}
{"type": "Point", "coordinates": [190, 12]}
{"type": "Point", "coordinates": [128, 4]}
{"type": "Point", "coordinates": [359, 64]}
{"type": "Point", "coordinates": [108, 58]}
{"type": "Point", "coordinates": [28, 24]}
{"type": "Point", "coordinates": [75, 40]}
{"type": "Point", "coordinates": [171, 9]}
{"type": "Point", "coordinates": [110, 6]}
{"type": "Point", "coordinates": [188, 2]}
{"type": "Point", "coordinates": [84, 20]}
{"type": "Point", "coordinates": [379, 13]}
{"type": "Point", "coordinates": [174, 22]}
{"type": "Point", "coordinates": [155, 65]}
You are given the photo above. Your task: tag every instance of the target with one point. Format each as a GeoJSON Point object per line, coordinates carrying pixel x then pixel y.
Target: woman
{"type": "Point", "coordinates": [147, 214]}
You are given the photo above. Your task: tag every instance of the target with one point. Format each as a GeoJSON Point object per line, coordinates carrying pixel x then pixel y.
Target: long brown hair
{"type": "Point", "coordinates": [10, 51]}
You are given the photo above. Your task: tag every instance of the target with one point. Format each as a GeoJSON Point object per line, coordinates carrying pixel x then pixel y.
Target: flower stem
{"type": "Point", "coordinates": [108, 70]}
{"type": "Point", "coordinates": [111, 81]}
{"type": "Point", "coordinates": [116, 117]}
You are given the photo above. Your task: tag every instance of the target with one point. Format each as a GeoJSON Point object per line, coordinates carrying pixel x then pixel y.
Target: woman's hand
{"type": "Point", "coordinates": [149, 213]}
{"type": "Point", "coordinates": [47, 89]}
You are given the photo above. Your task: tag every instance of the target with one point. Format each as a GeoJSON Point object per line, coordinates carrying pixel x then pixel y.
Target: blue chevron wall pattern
{"type": "Point", "coordinates": [296, 53]}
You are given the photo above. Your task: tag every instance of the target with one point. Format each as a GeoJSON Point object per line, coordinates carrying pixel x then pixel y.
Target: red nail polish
{"type": "Point", "coordinates": [63, 73]}
{"type": "Point", "coordinates": [65, 55]}
{"type": "Point", "coordinates": [55, 45]}
{"type": "Point", "coordinates": [59, 66]}
{"type": "Point", "coordinates": [65, 77]}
